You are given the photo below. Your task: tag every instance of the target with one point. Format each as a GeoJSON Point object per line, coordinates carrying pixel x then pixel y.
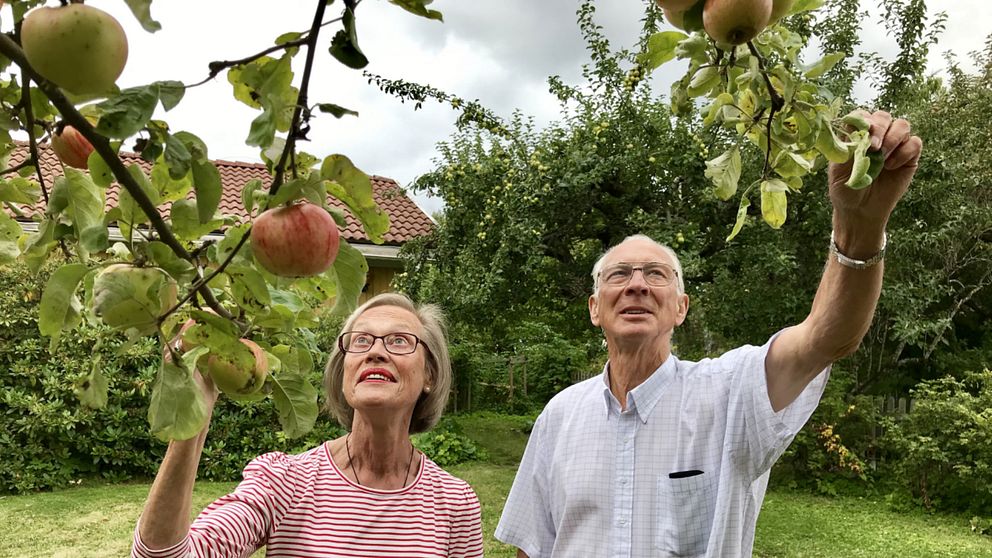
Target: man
{"type": "Point", "coordinates": [663, 457]}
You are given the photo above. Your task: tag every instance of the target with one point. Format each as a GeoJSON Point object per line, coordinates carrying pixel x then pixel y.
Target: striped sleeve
{"type": "Point", "coordinates": [466, 527]}
{"type": "Point", "coordinates": [236, 525]}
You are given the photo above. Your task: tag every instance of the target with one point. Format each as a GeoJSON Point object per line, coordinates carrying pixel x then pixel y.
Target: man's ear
{"type": "Point", "coordinates": [594, 310]}
{"type": "Point", "coordinates": [683, 309]}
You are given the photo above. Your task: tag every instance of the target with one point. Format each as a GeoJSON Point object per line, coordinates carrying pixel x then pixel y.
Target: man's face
{"type": "Point", "coordinates": [637, 314]}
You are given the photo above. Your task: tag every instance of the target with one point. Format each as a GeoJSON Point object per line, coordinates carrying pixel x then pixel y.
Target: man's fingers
{"type": "Point", "coordinates": [905, 154]}
{"type": "Point", "coordinates": [880, 123]}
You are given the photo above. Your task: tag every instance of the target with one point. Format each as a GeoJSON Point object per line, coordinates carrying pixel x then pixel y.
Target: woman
{"type": "Point", "coordinates": [368, 493]}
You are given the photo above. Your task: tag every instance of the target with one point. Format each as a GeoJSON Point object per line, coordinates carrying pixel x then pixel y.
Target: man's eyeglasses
{"type": "Point", "coordinates": [399, 343]}
{"type": "Point", "coordinates": [656, 274]}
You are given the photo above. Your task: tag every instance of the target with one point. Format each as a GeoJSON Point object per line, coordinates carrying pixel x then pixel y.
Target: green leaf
{"type": "Point", "coordinates": [142, 11]}
{"type": "Point", "coordinates": [10, 233]}
{"type": "Point", "coordinates": [177, 410]}
{"type": "Point", "coordinates": [170, 93]}
{"type": "Point", "coordinates": [741, 215]}
{"type": "Point", "coordinates": [704, 80]}
{"type": "Point", "coordinates": [85, 207]}
{"type": "Point", "coordinates": [99, 170]}
{"type": "Point", "coordinates": [310, 188]}
{"type": "Point", "coordinates": [788, 164]}
{"type": "Point", "coordinates": [126, 113]}
{"type": "Point", "coordinates": [725, 172]}
{"type": "Point", "coordinates": [95, 238]}
{"type": "Point", "coordinates": [163, 256]}
{"type": "Point", "coordinates": [60, 307]}
{"type": "Point", "coordinates": [806, 6]}
{"type": "Point", "coordinates": [252, 286]}
{"type": "Point", "coordinates": [206, 181]}
{"type": "Point", "coordinates": [19, 190]}
{"type": "Point", "coordinates": [336, 110]}
{"type": "Point", "coordinates": [177, 157]}
{"type": "Point", "coordinates": [859, 178]}
{"type": "Point", "coordinates": [92, 388]}
{"type": "Point", "coordinates": [165, 186]}
{"type": "Point", "coordinates": [186, 221]}
{"type": "Point", "coordinates": [344, 45]}
{"type": "Point", "coordinates": [350, 269]}
{"type": "Point", "coordinates": [296, 402]}
{"type": "Point", "coordinates": [354, 189]}
{"type": "Point", "coordinates": [660, 49]}
{"type": "Point", "coordinates": [131, 213]}
{"type": "Point", "coordinates": [248, 193]}
{"type": "Point", "coordinates": [774, 202]}
{"type": "Point", "coordinates": [419, 7]}
{"type": "Point", "coordinates": [822, 65]}
{"type": "Point", "coordinates": [263, 129]}
{"type": "Point", "coordinates": [35, 247]}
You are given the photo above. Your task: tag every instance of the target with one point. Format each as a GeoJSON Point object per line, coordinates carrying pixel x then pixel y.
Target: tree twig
{"type": "Point", "coordinates": [70, 115]}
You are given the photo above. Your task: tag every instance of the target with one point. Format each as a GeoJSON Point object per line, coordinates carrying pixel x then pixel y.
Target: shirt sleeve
{"type": "Point", "coordinates": [236, 525]}
{"type": "Point", "coordinates": [526, 522]}
{"type": "Point", "coordinates": [466, 528]}
{"type": "Point", "coordinates": [762, 435]}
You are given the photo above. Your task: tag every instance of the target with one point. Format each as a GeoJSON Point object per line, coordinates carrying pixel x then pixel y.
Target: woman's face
{"type": "Point", "coordinates": [378, 382]}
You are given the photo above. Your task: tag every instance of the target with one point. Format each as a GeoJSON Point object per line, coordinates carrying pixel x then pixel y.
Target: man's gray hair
{"type": "Point", "coordinates": [598, 267]}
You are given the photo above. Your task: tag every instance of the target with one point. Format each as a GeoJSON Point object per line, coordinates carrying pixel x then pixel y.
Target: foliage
{"type": "Point", "coordinates": [447, 445]}
{"type": "Point", "coordinates": [945, 444]}
{"type": "Point", "coordinates": [244, 300]}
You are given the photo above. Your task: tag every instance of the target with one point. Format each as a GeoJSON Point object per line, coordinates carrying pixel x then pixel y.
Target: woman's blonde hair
{"type": "Point", "coordinates": [437, 363]}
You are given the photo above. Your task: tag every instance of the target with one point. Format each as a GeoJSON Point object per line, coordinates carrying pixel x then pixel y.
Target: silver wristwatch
{"type": "Point", "coordinates": [853, 263]}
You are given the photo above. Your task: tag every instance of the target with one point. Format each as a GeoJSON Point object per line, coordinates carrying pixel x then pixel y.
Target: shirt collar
{"type": "Point", "coordinates": [644, 397]}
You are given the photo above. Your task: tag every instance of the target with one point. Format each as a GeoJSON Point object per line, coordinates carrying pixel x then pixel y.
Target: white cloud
{"type": "Point", "coordinates": [499, 51]}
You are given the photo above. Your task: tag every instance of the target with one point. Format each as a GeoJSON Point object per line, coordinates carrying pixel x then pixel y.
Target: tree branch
{"type": "Point", "coordinates": [301, 99]}
{"type": "Point", "coordinates": [70, 115]}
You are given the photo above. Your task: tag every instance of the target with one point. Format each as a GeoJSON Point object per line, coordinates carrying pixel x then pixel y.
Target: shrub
{"type": "Point", "coordinates": [446, 445]}
{"type": "Point", "coordinates": [945, 444]}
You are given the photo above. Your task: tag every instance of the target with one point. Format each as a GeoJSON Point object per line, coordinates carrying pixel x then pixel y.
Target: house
{"type": "Point", "coordinates": [406, 220]}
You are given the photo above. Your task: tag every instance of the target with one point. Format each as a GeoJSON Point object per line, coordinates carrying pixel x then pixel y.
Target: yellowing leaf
{"type": "Point", "coordinates": [725, 172]}
{"type": "Point", "coordinates": [774, 203]}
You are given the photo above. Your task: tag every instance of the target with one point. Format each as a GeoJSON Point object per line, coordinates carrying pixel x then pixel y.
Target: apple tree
{"type": "Point", "coordinates": [240, 308]}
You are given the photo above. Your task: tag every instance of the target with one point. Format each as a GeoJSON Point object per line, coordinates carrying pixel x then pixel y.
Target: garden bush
{"type": "Point", "coordinates": [945, 444]}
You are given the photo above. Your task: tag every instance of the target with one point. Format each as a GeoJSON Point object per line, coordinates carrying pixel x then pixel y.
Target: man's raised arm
{"type": "Point", "coordinates": [852, 280]}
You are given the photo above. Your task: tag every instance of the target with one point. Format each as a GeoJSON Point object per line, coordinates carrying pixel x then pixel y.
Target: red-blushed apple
{"type": "Point", "coordinates": [72, 148]}
{"type": "Point", "coordinates": [79, 48]}
{"type": "Point", "coordinates": [233, 380]}
{"type": "Point", "coordinates": [299, 240]}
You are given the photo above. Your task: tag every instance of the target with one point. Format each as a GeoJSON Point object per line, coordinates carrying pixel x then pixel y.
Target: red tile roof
{"type": "Point", "coordinates": [406, 220]}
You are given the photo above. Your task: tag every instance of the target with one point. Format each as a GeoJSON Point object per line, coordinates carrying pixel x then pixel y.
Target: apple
{"type": "Point", "coordinates": [126, 296]}
{"type": "Point", "coordinates": [298, 240]}
{"type": "Point", "coordinates": [72, 148]}
{"type": "Point", "coordinates": [233, 380]}
{"type": "Point", "coordinates": [736, 22]}
{"type": "Point", "coordinates": [676, 5]}
{"type": "Point", "coordinates": [79, 48]}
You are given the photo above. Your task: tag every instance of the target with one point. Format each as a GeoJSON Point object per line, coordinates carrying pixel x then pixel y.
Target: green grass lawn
{"type": "Point", "coordinates": [97, 520]}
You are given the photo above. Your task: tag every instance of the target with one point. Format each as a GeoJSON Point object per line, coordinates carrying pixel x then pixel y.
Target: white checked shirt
{"type": "Point", "coordinates": [597, 482]}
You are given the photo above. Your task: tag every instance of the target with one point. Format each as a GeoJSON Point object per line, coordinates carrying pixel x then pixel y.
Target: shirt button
{"type": "Point", "coordinates": [623, 482]}
{"type": "Point", "coordinates": [623, 522]}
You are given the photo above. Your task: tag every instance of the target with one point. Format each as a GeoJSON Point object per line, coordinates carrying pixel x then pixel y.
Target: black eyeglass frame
{"type": "Point", "coordinates": [417, 342]}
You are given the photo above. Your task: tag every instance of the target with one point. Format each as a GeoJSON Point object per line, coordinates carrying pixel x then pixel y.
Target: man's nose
{"type": "Point", "coordinates": [637, 282]}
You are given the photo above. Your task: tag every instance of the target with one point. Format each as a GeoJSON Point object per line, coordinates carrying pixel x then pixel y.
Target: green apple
{"type": "Point", "coordinates": [79, 48]}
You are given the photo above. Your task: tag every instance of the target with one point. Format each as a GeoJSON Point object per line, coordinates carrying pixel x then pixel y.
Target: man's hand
{"type": "Point", "coordinates": [869, 209]}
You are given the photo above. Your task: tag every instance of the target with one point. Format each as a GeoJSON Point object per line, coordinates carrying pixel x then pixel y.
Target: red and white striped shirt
{"type": "Point", "coordinates": [303, 506]}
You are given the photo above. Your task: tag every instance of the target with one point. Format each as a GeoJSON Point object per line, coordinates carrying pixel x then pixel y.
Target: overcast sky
{"type": "Point", "coordinates": [498, 51]}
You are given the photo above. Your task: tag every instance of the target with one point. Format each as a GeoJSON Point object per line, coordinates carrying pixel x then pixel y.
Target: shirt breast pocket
{"type": "Point", "coordinates": [685, 512]}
